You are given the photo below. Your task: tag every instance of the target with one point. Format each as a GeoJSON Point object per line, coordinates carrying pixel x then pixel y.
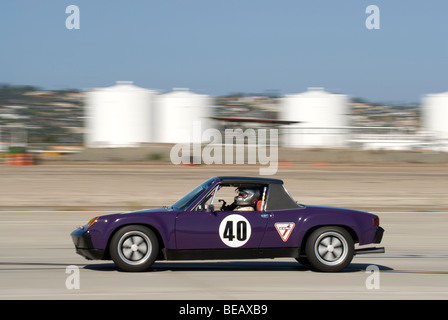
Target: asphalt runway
{"type": "Point", "coordinates": [37, 259]}
{"type": "Point", "coordinates": [41, 205]}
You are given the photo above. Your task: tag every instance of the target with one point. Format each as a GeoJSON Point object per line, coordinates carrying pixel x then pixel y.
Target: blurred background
{"type": "Point", "coordinates": [53, 124]}
{"type": "Point", "coordinates": [139, 75]}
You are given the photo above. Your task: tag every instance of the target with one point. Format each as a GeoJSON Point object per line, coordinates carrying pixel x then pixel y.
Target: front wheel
{"type": "Point", "coordinates": [134, 248]}
{"type": "Point", "coordinates": [329, 249]}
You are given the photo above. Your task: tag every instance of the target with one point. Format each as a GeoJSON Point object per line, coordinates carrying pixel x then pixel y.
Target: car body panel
{"type": "Point", "coordinates": [205, 227]}
{"type": "Point", "coordinates": [186, 230]}
{"type": "Point", "coordinates": [162, 220]}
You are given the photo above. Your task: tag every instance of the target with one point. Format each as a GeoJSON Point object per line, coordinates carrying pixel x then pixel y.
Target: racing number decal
{"type": "Point", "coordinates": [241, 231]}
{"type": "Point", "coordinates": [234, 230]}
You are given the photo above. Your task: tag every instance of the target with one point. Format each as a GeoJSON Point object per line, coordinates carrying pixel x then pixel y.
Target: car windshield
{"type": "Point", "coordinates": [187, 200]}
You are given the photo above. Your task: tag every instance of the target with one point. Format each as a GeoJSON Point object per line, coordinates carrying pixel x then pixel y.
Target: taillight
{"type": "Point", "coordinates": [376, 221]}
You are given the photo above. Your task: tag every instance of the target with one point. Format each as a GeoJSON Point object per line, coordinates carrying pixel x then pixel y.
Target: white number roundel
{"type": "Point", "coordinates": [234, 230]}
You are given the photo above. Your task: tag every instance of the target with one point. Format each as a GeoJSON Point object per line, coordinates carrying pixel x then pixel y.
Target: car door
{"type": "Point", "coordinates": [219, 230]}
{"type": "Point", "coordinates": [202, 228]}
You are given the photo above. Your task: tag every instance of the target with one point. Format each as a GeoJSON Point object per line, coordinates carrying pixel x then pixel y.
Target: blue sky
{"type": "Point", "coordinates": [219, 47]}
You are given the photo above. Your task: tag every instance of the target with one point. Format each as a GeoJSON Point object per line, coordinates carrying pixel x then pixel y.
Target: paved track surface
{"type": "Point", "coordinates": [35, 247]}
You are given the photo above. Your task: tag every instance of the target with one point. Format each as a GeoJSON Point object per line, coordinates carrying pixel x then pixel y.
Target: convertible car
{"type": "Point", "coordinates": [231, 218]}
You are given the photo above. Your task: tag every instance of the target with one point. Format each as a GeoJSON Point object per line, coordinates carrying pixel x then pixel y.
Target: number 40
{"type": "Point", "coordinates": [241, 231]}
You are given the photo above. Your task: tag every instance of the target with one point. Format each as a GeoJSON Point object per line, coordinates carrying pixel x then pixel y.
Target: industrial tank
{"type": "Point", "coordinates": [323, 117]}
{"type": "Point", "coordinates": [181, 116]}
{"type": "Point", "coordinates": [435, 114]}
{"type": "Point", "coordinates": [119, 116]}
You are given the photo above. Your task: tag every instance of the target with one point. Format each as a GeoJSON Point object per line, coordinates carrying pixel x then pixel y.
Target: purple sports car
{"type": "Point", "coordinates": [231, 218]}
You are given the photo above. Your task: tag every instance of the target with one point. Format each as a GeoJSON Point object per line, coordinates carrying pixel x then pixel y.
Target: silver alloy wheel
{"type": "Point", "coordinates": [331, 248]}
{"type": "Point", "coordinates": [134, 247]}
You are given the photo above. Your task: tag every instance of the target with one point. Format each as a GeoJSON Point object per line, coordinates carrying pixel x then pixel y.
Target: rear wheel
{"type": "Point", "coordinates": [134, 248]}
{"type": "Point", "coordinates": [329, 249]}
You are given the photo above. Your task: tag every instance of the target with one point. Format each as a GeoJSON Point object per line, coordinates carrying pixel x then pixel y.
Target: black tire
{"type": "Point", "coordinates": [329, 249]}
{"type": "Point", "coordinates": [134, 248]}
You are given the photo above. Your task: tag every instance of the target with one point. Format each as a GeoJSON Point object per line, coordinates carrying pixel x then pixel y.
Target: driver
{"type": "Point", "coordinates": [245, 200]}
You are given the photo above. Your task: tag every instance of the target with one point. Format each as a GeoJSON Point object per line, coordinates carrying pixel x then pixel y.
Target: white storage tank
{"type": "Point", "coordinates": [119, 116]}
{"type": "Point", "coordinates": [323, 117]}
{"type": "Point", "coordinates": [181, 116]}
{"type": "Point", "coordinates": [435, 114]}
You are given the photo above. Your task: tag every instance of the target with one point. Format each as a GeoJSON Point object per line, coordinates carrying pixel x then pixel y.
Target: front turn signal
{"type": "Point", "coordinates": [91, 222]}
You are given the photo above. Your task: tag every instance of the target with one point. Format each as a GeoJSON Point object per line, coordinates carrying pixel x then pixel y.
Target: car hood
{"type": "Point", "coordinates": [148, 211]}
{"type": "Point", "coordinates": [113, 216]}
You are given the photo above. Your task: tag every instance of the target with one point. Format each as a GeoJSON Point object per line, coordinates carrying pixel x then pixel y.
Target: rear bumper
{"type": "Point", "coordinates": [83, 244]}
{"type": "Point", "coordinates": [378, 237]}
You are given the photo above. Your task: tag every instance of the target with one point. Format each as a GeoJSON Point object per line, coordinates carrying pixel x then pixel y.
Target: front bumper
{"type": "Point", "coordinates": [83, 244]}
